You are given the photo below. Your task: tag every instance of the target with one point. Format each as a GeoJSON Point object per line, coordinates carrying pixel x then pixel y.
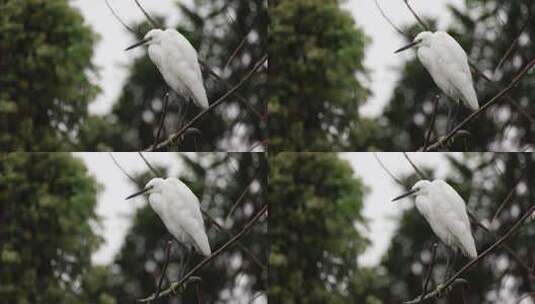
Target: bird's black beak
{"type": "Point", "coordinates": [138, 193]}
{"type": "Point", "coordinates": [142, 42]}
{"type": "Point", "coordinates": [408, 46]}
{"type": "Point", "coordinates": [405, 195]}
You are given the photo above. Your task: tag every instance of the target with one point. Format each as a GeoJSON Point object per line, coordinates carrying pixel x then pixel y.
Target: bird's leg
{"type": "Point", "coordinates": [184, 261]}
{"type": "Point", "coordinates": [455, 114]}
{"type": "Point", "coordinates": [452, 268]}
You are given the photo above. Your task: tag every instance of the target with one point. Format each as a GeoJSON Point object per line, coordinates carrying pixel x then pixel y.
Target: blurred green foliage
{"type": "Point", "coordinates": [315, 78]}
{"type": "Point", "coordinates": [316, 207]}
{"type": "Point", "coordinates": [45, 82]}
{"type": "Point", "coordinates": [215, 29]}
{"type": "Point", "coordinates": [47, 217]}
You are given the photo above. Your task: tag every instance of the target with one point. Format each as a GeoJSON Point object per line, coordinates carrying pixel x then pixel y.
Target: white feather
{"type": "Point", "coordinates": [447, 63]}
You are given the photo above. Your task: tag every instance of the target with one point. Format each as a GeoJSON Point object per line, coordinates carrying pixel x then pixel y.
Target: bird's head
{"type": "Point", "coordinates": [423, 38]}
{"type": "Point", "coordinates": [155, 185]}
{"type": "Point", "coordinates": [417, 189]}
{"type": "Point", "coordinates": [154, 36]}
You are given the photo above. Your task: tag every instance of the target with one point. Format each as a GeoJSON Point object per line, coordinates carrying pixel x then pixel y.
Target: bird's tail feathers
{"type": "Point", "coordinates": [470, 98]}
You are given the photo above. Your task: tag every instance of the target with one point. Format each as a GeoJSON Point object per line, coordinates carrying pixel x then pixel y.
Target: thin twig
{"type": "Point", "coordinates": [240, 198]}
{"type": "Point", "coordinates": [388, 19]}
{"type": "Point", "coordinates": [439, 290]}
{"type": "Point", "coordinates": [420, 173]}
{"type": "Point", "coordinates": [429, 270]}
{"type": "Point", "coordinates": [512, 47]}
{"type": "Point", "coordinates": [122, 169]}
{"type": "Point", "coordinates": [120, 20]}
{"type": "Point", "coordinates": [149, 18]}
{"type": "Point", "coordinates": [167, 255]}
{"type": "Point", "coordinates": [162, 119]}
{"type": "Point", "coordinates": [221, 99]}
{"type": "Point", "coordinates": [236, 51]}
{"type": "Point", "coordinates": [388, 171]}
{"type": "Point", "coordinates": [491, 102]}
{"type": "Point", "coordinates": [505, 201]}
{"type": "Point", "coordinates": [216, 253]}
{"type": "Point", "coordinates": [422, 23]}
{"type": "Point", "coordinates": [154, 171]}
{"type": "Point", "coordinates": [432, 123]}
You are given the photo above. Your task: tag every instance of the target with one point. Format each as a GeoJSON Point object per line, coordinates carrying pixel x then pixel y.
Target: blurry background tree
{"type": "Point", "coordinates": [486, 30]}
{"type": "Point", "coordinates": [316, 78]}
{"type": "Point", "coordinates": [218, 181]}
{"type": "Point", "coordinates": [47, 217]}
{"type": "Point", "coordinates": [44, 84]}
{"type": "Point", "coordinates": [216, 29]}
{"type": "Point", "coordinates": [316, 209]}
{"type": "Point", "coordinates": [484, 181]}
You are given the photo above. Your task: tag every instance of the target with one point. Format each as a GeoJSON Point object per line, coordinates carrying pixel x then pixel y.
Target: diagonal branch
{"type": "Point", "coordinates": [149, 18]}
{"type": "Point", "coordinates": [167, 255]}
{"type": "Point", "coordinates": [389, 21]}
{"type": "Point", "coordinates": [171, 139]}
{"type": "Point", "coordinates": [422, 23]}
{"type": "Point", "coordinates": [210, 258]}
{"type": "Point", "coordinates": [420, 173]}
{"type": "Point", "coordinates": [396, 179]}
{"type": "Point", "coordinates": [429, 271]}
{"type": "Point", "coordinates": [120, 20]}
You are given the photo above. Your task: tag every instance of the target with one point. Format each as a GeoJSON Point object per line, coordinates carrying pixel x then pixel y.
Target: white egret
{"type": "Point", "coordinates": [445, 211]}
{"type": "Point", "coordinates": [176, 59]}
{"type": "Point", "coordinates": [446, 61]}
{"type": "Point", "coordinates": [179, 209]}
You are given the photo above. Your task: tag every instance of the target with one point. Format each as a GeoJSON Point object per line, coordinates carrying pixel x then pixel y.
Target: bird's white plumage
{"type": "Point", "coordinates": [179, 209]}
{"type": "Point", "coordinates": [446, 61]}
{"type": "Point", "coordinates": [177, 61]}
{"type": "Point", "coordinates": [445, 211]}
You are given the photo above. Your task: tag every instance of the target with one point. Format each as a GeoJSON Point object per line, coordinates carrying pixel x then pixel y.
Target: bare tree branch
{"type": "Point", "coordinates": [164, 271]}
{"type": "Point", "coordinates": [420, 173]}
{"type": "Point", "coordinates": [216, 253]}
{"type": "Point", "coordinates": [397, 180]}
{"type": "Point", "coordinates": [389, 21]}
{"type": "Point", "coordinates": [429, 270]}
{"type": "Point", "coordinates": [513, 45]}
{"type": "Point", "coordinates": [123, 170]}
{"type": "Point", "coordinates": [422, 23]}
{"type": "Point", "coordinates": [120, 20]}
{"type": "Point", "coordinates": [149, 18]}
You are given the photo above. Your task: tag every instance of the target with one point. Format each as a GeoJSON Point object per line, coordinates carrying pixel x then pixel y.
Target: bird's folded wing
{"type": "Point", "coordinates": [194, 228]}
